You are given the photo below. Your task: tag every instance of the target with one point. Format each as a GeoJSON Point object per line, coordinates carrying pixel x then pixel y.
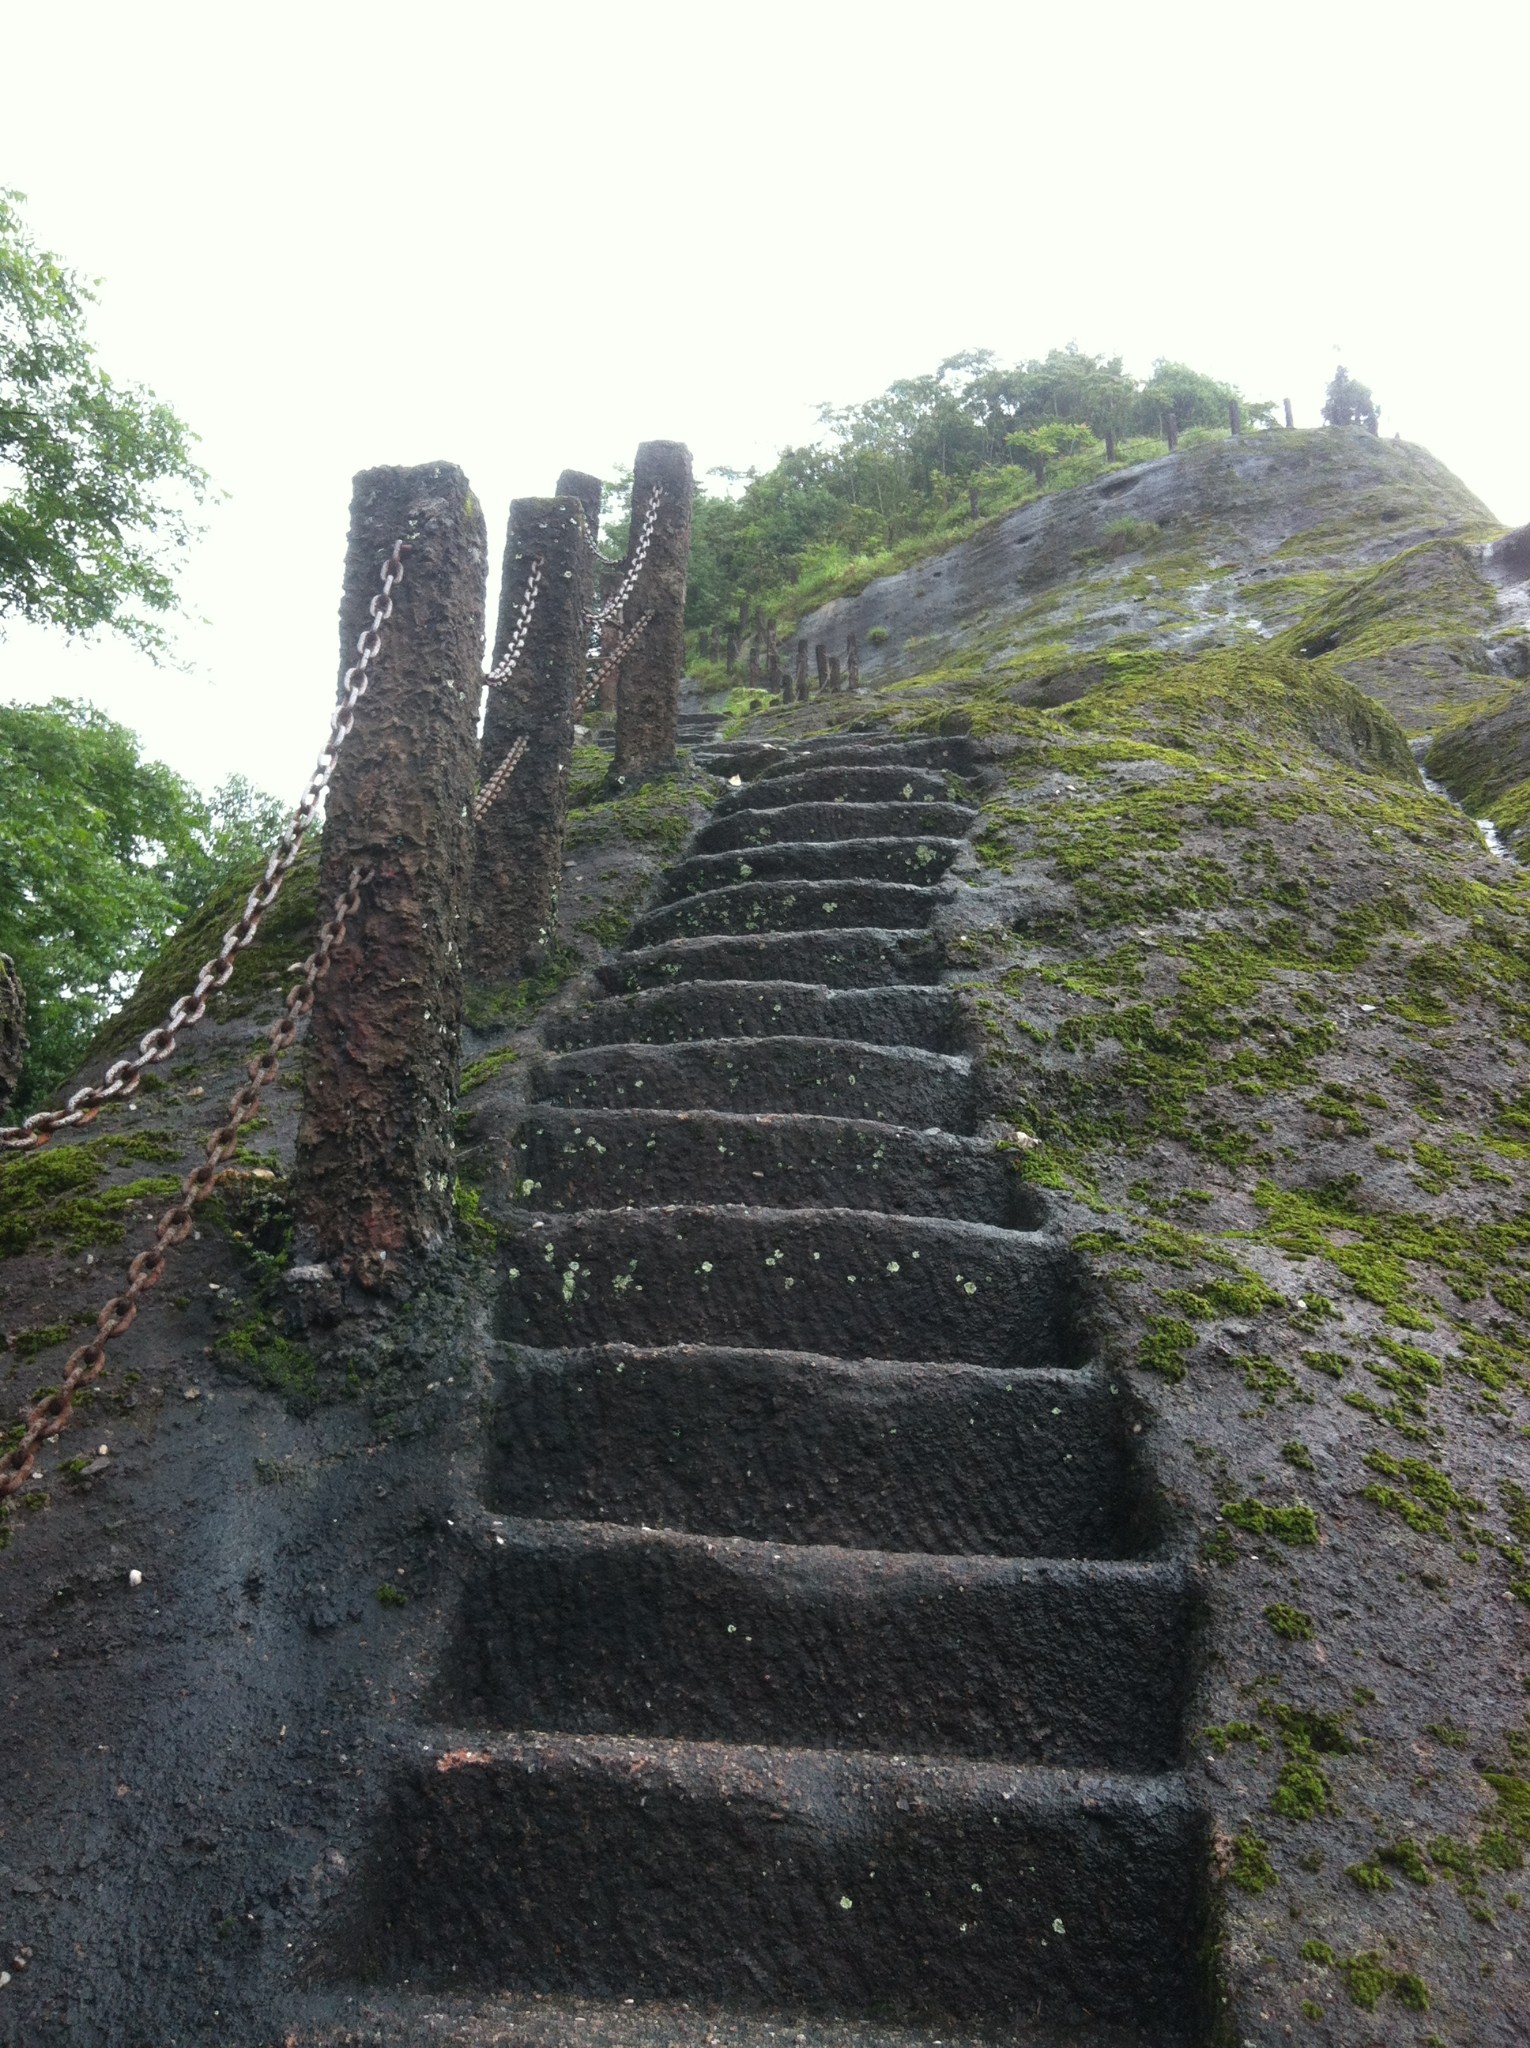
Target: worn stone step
{"type": "Point", "coordinates": [806, 1076]}
{"type": "Point", "coordinates": [604, 1628]}
{"type": "Point", "coordinates": [858, 783]}
{"type": "Point", "coordinates": [788, 907]}
{"type": "Point", "coordinates": [790, 822]}
{"type": "Point", "coordinates": [842, 1884]}
{"type": "Point", "coordinates": [614, 1158]}
{"type": "Point", "coordinates": [866, 957]}
{"type": "Point", "coordinates": [914, 1014]}
{"type": "Point", "coordinates": [900, 859]}
{"type": "Point", "coordinates": [956, 754]}
{"type": "Point", "coordinates": [793, 1447]}
{"type": "Point", "coordinates": [836, 1280]}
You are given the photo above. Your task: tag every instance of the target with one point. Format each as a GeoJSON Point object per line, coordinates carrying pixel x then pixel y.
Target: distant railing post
{"type": "Point", "coordinates": [518, 842]}
{"type": "Point", "coordinates": [772, 659]}
{"type": "Point", "coordinates": [852, 663]}
{"type": "Point", "coordinates": [648, 688]}
{"type": "Point", "coordinates": [821, 660]}
{"type": "Point", "coordinates": [1171, 431]}
{"type": "Point", "coordinates": [1234, 417]}
{"type": "Point", "coordinates": [578, 483]}
{"type": "Point", "coordinates": [754, 665]}
{"type": "Point", "coordinates": [732, 650]}
{"type": "Point", "coordinates": [835, 682]}
{"type": "Point", "coordinates": [373, 1174]}
{"type": "Point", "coordinates": [1290, 416]}
{"type": "Point", "coordinates": [801, 678]}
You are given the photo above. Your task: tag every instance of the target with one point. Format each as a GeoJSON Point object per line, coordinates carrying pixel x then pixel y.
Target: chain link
{"type": "Point", "coordinates": [123, 1076]}
{"type": "Point", "coordinates": [612, 662]}
{"type": "Point", "coordinates": [512, 654]}
{"type": "Point", "coordinates": [49, 1417]}
{"type": "Point", "coordinates": [496, 785]}
{"type": "Point", "coordinates": [639, 556]}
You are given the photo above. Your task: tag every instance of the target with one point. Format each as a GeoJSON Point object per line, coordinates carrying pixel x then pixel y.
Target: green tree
{"type": "Point", "coordinates": [1349, 403]}
{"type": "Point", "coordinates": [96, 478]}
{"type": "Point", "coordinates": [101, 854]}
{"type": "Point", "coordinates": [1038, 446]}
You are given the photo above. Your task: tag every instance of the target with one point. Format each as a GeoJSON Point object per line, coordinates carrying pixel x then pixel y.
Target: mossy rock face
{"type": "Point", "coordinates": [1485, 764]}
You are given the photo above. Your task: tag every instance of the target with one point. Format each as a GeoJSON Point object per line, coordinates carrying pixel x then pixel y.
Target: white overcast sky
{"type": "Point", "coordinates": [523, 237]}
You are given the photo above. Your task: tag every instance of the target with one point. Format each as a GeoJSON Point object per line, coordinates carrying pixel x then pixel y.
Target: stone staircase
{"type": "Point", "coordinates": [821, 1669]}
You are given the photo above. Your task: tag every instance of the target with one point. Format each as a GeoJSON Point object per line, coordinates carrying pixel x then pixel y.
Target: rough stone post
{"type": "Point", "coordinates": [373, 1175]}
{"type": "Point", "coordinates": [836, 684]}
{"type": "Point", "coordinates": [578, 483]}
{"type": "Point", "coordinates": [821, 659]}
{"type": "Point", "coordinates": [754, 664]}
{"type": "Point", "coordinates": [802, 672]}
{"type": "Point", "coordinates": [852, 663]}
{"type": "Point", "coordinates": [732, 650]}
{"type": "Point", "coordinates": [648, 688]}
{"type": "Point", "coordinates": [772, 659]}
{"type": "Point", "coordinates": [714, 647]}
{"type": "Point", "coordinates": [1234, 417]}
{"type": "Point", "coordinates": [13, 1028]}
{"type": "Point", "coordinates": [1290, 416]}
{"type": "Point", "coordinates": [743, 617]}
{"type": "Point", "coordinates": [1171, 429]}
{"type": "Point", "coordinates": [1110, 444]}
{"type": "Point", "coordinates": [518, 843]}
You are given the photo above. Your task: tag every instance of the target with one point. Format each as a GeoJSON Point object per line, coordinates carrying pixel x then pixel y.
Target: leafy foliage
{"type": "Point", "coordinates": [96, 478]}
{"type": "Point", "coordinates": [101, 854]}
{"type": "Point", "coordinates": [972, 434]}
{"type": "Point", "coordinates": [1349, 403]}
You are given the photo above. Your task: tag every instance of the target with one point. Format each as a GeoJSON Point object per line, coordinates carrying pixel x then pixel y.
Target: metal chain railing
{"type": "Point", "coordinates": [499, 781]}
{"type": "Point", "coordinates": [49, 1417]}
{"type": "Point", "coordinates": [123, 1076]}
{"type": "Point", "coordinates": [639, 556]}
{"type": "Point", "coordinates": [613, 661]}
{"type": "Point", "coordinates": [505, 666]}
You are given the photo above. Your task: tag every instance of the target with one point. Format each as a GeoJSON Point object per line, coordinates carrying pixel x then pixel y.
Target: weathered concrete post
{"type": "Point", "coordinates": [821, 659]}
{"type": "Point", "coordinates": [801, 678]}
{"type": "Point", "coordinates": [852, 663]}
{"type": "Point", "coordinates": [648, 688]}
{"type": "Point", "coordinates": [13, 1028]}
{"type": "Point", "coordinates": [732, 650]}
{"type": "Point", "coordinates": [1290, 416]}
{"type": "Point", "coordinates": [1234, 417]}
{"type": "Point", "coordinates": [1171, 430]}
{"type": "Point", "coordinates": [518, 843]}
{"type": "Point", "coordinates": [972, 501]}
{"type": "Point", "coordinates": [754, 665]}
{"type": "Point", "coordinates": [578, 483]}
{"type": "Point", "coordinates": [836, 684]}
{"type": "Point", "coordinates": [373, 1175]}
{"type": "Point", "coordinates": [772, 658]}
{"type": "Point", "coordinates": [1110, 444]}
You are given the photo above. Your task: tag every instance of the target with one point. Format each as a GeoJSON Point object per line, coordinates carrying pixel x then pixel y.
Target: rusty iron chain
{"type": "Point", "coordinates": [49, 1416]}
{"type": "Point", "coordinates": [123, 1076]}
{"type": "Point", "coordinates": [497, 783]}
{"type": "Point", "coordinates": [506, 665]}
{"type": "Point", "coordinates": [613, 661]}
{"type": "Point", "coordinates": [610, 609]}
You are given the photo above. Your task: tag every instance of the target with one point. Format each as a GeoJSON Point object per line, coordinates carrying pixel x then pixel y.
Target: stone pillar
{"type": "Point", "coordinates": [732, 650]}
{"type": "Point", "coordinates": [648, 688]}
{"type": "Point", "coordinates": [716, 647]}
{"type": "Point", "coordinates": [802, 672]}
{"type": "Point", "coordinates": [1290, 416]}
{"type": "Point", "coordinates": [821, 658]}
{"type": "Point", "coordinates": [577, 483]}
{"type": "Point", "coordinates": [13, 1029]}
{"type": "Point", "coordinates": [518, 843]}
{"type": "Point", "coordinates": [754, 665]}
{"type": "Point", "coordinates": [972, 501]}
{"type": "Point", "coordinates": [1171, 429]}
{"type": "Point", "coordinates": [1110, 444]}
{"type": "Point", "coordinates": [852, 663]}
{"type": "Point", "coordinates": [1234, 417]}
{"type": "Point", "coordinates": [835, 682]}
{"type": "Point", "coordinates": [772, 659]}
{"type": "Point", "coordinates": [373, 1175]}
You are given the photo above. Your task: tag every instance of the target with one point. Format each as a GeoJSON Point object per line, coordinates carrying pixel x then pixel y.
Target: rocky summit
{"type": "Point", "coordinates": [965, 1478]}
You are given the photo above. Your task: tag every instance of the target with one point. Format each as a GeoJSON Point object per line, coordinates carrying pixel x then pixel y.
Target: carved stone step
{"type": "Point", "coordinates": [615, 1158]}
{"type": "Point", "coordinates": [788, 907]}
{"type": "Point", "coordinates": [806, 1076]}
{"type": "Point", "coordinates": [836, 1280]}
{"type": "Point", "coordinates": [838, 1883]}
{"type": "Point", "coordinates": [865, 957]}
{"type": "Point", "coordinates": [796, 1447]}
{"type": "Point", "coordinates": [792, 822]}
{"type": "Point", "coordinates": [898, 859]}
{"type": "Point", "coordinates": [859, 783]}
{"type": "Point", "coordinates": [914, 1015]}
